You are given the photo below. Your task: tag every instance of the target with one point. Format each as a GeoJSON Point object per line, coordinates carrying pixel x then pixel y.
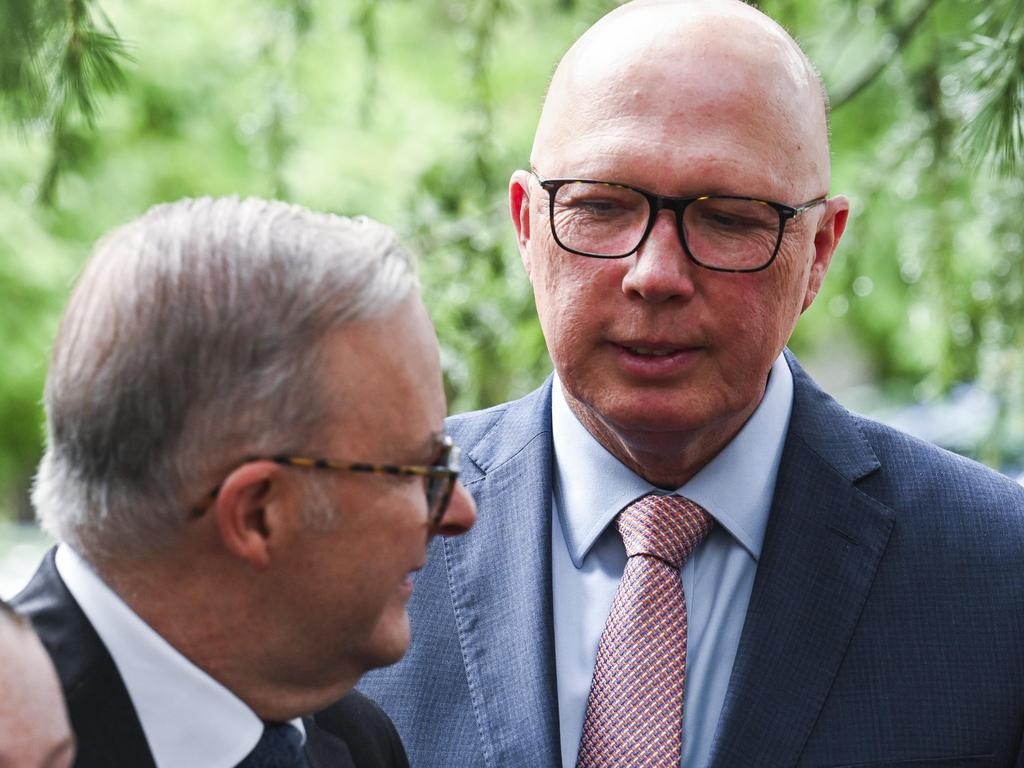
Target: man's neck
{"type": "Point", "coordinates": [224, 631]}
{"type": "Point", "coordinates": [665, 459]}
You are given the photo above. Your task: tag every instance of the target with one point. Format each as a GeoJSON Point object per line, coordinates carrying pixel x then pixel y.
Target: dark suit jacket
{"type": "Point", "coordinates": [885, 625]}
{"type": "Point", "coordinates": [353, 733]}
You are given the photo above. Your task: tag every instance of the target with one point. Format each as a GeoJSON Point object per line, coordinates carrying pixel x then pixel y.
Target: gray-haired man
{"type": "Point", "coordinates": [213, 585]}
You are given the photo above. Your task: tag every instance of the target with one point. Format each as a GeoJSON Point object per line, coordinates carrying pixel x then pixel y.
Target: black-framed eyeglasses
{"type": "Point", "coordinates": [608, 220]}
{"type": "Point", "coordinates": [439, 486]}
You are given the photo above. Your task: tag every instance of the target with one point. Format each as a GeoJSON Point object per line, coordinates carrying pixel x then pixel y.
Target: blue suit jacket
{"type": "Point", "coordinates": [885, 626]}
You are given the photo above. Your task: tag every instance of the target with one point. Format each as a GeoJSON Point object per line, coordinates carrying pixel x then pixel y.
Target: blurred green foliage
{"type": "Point", "coordinates": [417, 112]}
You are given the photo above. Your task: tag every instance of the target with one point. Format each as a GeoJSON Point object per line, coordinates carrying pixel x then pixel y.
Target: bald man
{"type": "Point", "coordinates": [34, 729]}
{"type": "Point", "coordinates": [688, 553]}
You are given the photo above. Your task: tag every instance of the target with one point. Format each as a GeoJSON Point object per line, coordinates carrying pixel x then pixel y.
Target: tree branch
{"type": "Point", "coordinates": [902, 33]}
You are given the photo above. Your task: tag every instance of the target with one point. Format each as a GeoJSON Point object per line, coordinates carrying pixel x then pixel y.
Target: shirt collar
{"type": "Point", "coordinates": [592, 486]}
{"type": "Point", "coordinates": [188, 717]}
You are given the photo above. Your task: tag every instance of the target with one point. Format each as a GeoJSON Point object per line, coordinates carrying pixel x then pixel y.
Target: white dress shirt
{"type": "Point", "coordinates": [588, 558]}
{"type": "Point", "coordinates": [189, 719]}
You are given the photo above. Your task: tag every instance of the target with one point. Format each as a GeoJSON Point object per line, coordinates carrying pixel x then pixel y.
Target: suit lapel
{"type": "Point", "coordinates": [324, 749]}
{"type": "Point", "coordinates": [107, 729]}
{"type": "Point", "coordinates": [822, 547]}
{"type": "Point", "coordinates": [500, 581]}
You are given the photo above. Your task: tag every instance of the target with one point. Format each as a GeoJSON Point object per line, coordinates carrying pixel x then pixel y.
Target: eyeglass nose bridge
{"type": "Point", "coordinates": [678, 206]}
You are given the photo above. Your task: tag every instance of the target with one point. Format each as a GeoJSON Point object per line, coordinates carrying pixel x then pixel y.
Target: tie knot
{"type": "Point", "coordinates": [666, 527]}
{"type": "Point", "coordinates": [280, 746]}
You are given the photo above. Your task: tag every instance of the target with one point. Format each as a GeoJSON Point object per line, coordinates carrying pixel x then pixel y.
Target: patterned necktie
{"type": "Point", "coordinates": [635, 709]}
{"type": "Point", "coordinates": [280, 746]}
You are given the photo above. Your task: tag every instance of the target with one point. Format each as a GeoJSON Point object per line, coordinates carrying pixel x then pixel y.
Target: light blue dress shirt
{"type": "Point", "coordinates": [591, 487]}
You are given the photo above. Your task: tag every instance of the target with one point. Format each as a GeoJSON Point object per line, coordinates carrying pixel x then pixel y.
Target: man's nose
{"type": "Point", "coordinates": [460, 515]}
{"type": "Point", "coordinates": [661, 270]}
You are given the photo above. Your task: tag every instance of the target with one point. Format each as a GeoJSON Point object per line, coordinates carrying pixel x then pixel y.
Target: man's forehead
{"type": "Point", "coordinates": [662, 73]}
{"type": "Point", "coordinates": [385, 383]}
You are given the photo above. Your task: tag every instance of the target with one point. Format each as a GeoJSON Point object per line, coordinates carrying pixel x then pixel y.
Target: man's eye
{"type": "Point", "coordinates": [726, 221]}
{"type": "Point", "coordinates": [597, 208]}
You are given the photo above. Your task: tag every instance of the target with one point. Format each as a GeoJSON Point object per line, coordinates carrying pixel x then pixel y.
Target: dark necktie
{"type": "Point", "coordinates": [635, 709]}
{"type": "Point", "coordinates": [280, 746]}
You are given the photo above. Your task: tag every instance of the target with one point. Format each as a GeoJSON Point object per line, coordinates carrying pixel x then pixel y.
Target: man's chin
{"type": "Point", "coordinates": [389, 649]}
{"type": "Point", "coordinates": [651, 416]}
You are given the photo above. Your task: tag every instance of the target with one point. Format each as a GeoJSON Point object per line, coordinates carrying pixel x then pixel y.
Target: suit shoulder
{"type": "Point", "coordinates": [495, 435]}
{"type": "Point", "coordinates": [926, 463]}
{"type": "Point", "coordinates": [527, 407]}
{"type": "Point", "coordinates": [368, 732]}
{"type": "Point", "coordinates": [949, 501]}
{"type": "Point", "coordinates": [860, 447]}
{"type": "Point", "coordinates": [896, 468]}
{"type": "Point", "coordinates": [475, 424]}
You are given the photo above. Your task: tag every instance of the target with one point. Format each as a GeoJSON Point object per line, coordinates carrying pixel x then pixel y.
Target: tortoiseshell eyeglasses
{"type": "Point", "coordinates": [439, 486]}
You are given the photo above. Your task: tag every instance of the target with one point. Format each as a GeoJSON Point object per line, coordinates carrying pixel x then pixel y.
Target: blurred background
{"type": "Point", "coordinates": [416, 112]}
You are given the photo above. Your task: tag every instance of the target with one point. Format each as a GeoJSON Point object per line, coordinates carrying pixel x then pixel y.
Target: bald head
{"type": "Point", "coordinates": [34, 730]}
{"type": "Point", "coordinates": [666, 72]}
{"type": "Point", "coordinates": [693, 132]}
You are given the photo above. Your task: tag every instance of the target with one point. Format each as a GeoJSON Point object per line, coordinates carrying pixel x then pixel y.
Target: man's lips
{"type": "Point", "coordinates": [652, 350]}
{"type": "Point", "coordinates": [655, 345]}
{"type": "Point", "coordinates": [655, 358]}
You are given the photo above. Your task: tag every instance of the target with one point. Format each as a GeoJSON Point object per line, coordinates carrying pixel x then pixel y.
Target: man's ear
{"type": "Point", "coordinates": [253, 511]}
{"type": "Point", "coordinates": [826, 239]}
{"type": "Point", "coordinates": [519, 208]}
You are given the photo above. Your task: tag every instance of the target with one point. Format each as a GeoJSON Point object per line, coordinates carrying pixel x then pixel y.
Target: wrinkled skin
{"type": "Point", "coordinates": [680, 99]}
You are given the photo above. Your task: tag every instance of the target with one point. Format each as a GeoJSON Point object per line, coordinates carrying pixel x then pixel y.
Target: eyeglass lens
{"type": "Point", "coordinates": [435, 494]}
{"type": "Point", "coordinates": [440, 487]}
{"type": "Point", "coordinates": [609, 220]}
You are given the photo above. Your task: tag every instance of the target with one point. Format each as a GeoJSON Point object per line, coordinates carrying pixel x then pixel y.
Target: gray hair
{"type": "Point", "coordinates": [192, 339]}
